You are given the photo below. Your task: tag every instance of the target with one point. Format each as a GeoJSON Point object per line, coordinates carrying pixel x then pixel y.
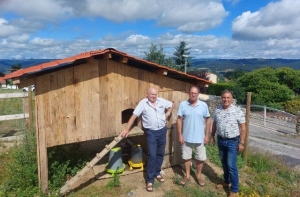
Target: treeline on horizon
{"type": "Point", "coordinates": [223, 65]}
{"type": "Point", "coordinates": [214, 65]}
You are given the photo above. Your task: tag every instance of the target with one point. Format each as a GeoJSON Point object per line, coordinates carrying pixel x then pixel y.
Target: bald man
{"type": "Point", "coordinates": [154, 111]}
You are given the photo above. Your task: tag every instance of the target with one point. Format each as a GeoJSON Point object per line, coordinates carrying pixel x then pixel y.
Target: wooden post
{"type": "Point", "coordinates": [30, 112]}
{"type": "Point", "coordinates": [42, 158]}
{"type": "Point", "coordinates": [247, 124]}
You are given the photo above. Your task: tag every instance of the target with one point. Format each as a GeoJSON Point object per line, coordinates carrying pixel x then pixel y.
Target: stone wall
{"type": "Point", "coordinates": [212, 101]}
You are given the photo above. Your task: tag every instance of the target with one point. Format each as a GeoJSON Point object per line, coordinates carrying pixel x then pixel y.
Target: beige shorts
{"type": "Point", "coordinates": [199, 149]}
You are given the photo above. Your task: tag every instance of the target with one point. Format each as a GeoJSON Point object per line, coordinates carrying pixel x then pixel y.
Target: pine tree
{"type": "Point", "coordinates": [179, 59]}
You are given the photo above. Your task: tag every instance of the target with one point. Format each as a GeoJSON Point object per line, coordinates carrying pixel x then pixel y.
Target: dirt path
{"type": "Point", "coordinates": [135, 182]}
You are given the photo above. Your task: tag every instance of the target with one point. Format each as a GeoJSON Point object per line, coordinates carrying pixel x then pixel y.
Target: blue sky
{"type": "Point", "coordinates": [228, 29]}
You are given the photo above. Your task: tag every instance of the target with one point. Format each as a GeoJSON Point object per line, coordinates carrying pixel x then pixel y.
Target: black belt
{"type": "Point", "coordinates": [233, 138]}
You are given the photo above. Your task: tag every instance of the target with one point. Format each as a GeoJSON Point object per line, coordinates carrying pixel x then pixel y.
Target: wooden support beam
{"type": "Point", "coordinates": [124, 60]}
{"type": "Point", "coordinates": [161, 71]}
{"type": "Point", "coordinates": [42, 161]}
{"type": "Point", "coordinates": [107, 56]}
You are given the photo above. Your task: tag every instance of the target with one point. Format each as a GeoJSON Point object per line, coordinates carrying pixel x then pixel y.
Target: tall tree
{"type": "Point", "coordinates": [16, 67]}
{"type": "Point", "coordinates": [156, 54]}
{"type": "Point", "coordinates": [289, 77]}
{"type": "Point", "coordinates": [263, 83]}
{"type": "Point", "coordinates": [179, 59]}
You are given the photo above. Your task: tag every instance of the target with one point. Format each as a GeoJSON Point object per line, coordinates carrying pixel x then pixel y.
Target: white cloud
{"type": "Point", "coordinates": [17, 27]}
{"type": "Point", "coordinates": [232, 2]}
{"type": "Point", "coordinates": [19, 39]}
{"type": "Point", "coordinates": [6, 28]}
{"type": "Point", "coordinates": [278, 19]}
{"type": "Point", "coordinates": [46, 10]}
{"type": "Point", "coordinates": [33, 28]}
{"type": "Point", "coordinates": [137, 39]}
{"type": "Point", "coordinates": [191, 16]}
{"type": "Point", "coordinates": [208, 46]}
{"type": "Point", "coordinates": [185, 15]}
{"type": "Point", "coordinates": [41, 42]}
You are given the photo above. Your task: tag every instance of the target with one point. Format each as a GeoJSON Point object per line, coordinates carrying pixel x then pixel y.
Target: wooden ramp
{"type": "Point", "coordinates": [133, 132]}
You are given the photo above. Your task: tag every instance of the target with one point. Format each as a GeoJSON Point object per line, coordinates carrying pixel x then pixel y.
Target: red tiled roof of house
{"type": "Point", "coordinates": [84, 55]}
{"type": "Point", "coordinates": [2, 80]}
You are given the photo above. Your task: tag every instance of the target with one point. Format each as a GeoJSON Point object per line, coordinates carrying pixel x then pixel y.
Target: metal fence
{"type": "Point", "coordinates": [270, 117]}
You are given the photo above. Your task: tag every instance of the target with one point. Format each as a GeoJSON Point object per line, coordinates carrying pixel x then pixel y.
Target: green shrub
{"type": "Point", "coordinates": [292, 106]}
{"type": "Point", "coordinates": [64, 161]}
{"type": "Point", "coordinates": [22, 169]}
{"type": "Point", "coordinates": [22, 179]}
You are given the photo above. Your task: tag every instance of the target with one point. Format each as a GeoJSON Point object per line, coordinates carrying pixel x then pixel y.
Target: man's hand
{"type": "Point", "coordinates": [213, 140]}
{"type": "Point", "coordinates": [124, 133]}
{"type": "Point", "coordinates": [180, 139]}
{"type": "Point", "coordinates": [241, 147]}
{"type": "Point", "coordinates": [206, 140]}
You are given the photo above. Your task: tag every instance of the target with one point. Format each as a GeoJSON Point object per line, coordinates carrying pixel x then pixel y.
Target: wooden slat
{"type": "Point", "coordinates": [143, 84]}
{"type": "Point", "coordinates": [14, 116]}
{"type": "Point", "coordinates": [112, 85]}
{"type": "Point", "coordinates": [94, 105]}
{"type": "Point", "coordinates": [104, 123]}
{"type": "Point", "coordinates": [80, 111]}
{"type": "Point", "coordinates": [60, 122]}
{"type": "Point", "coordinates": [124, 86]}
{"type": "Point", "coordinates": [14, 95]}
{"type": "Point", "coordinates": [43, 105]}
{"type": "Point", "coordinates": [154, 81]}
{"type": "Point", "coordinates": [55, 99]}
{"type": "Point", "coordinates": [165, 83]}
{"type": "Point", "coordinates": [132, 85]}
{"type": "Point", "coordinates": [176, 157]}
{"type": "Point", "coordinates": [70, 111]}
{"type": "Point", "coordinates": [42, 116]}
{"type": "Point", "coordinates": [118, 99]}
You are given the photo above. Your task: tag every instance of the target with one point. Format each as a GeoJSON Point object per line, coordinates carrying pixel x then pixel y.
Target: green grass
{"type": "Point", "coordinates": [260, 176]}
{"type": "Point", "coordinates": [10, 106]}
{"type": "Point", "coordinates": [7, 107]}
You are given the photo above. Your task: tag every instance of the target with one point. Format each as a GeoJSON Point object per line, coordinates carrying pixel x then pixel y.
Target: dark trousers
{"type": "Point", "coordinates": [228, 151]}
{"type": "Point", "coordinates": [156, 141]}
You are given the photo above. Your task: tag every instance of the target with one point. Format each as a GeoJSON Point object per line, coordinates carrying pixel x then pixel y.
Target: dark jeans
{"type": "Point", "coordinates": [156, 141]}
{"type": "Point", "coordinates": [228, 151]}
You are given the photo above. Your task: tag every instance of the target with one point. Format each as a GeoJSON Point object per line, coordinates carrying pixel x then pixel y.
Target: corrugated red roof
{"type": "Point", "coordinates": [84, 55]}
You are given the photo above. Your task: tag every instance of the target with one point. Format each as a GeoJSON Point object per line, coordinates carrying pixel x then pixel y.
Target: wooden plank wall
{"type": "Point", "coordinates": [85, 102]}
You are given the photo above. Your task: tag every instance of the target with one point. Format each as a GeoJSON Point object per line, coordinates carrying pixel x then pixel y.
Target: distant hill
{"type": "Point", "coordinates": [245, 64]}
{"type": "Point", "coordinates": [5, 64]}
{"type": "Point", "coordinates": [212, 64]}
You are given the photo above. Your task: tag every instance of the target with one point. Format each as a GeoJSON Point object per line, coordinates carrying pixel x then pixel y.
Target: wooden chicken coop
{"type": "Point", "coordinates": [91, 95]}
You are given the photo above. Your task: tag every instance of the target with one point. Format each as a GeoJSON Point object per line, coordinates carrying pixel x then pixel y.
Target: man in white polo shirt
{"type": "Point", "coordinates": [154, 111]}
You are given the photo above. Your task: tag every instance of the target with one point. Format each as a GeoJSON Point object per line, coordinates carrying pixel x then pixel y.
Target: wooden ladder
{"type": "Point", "coordinates": [90, 165]}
